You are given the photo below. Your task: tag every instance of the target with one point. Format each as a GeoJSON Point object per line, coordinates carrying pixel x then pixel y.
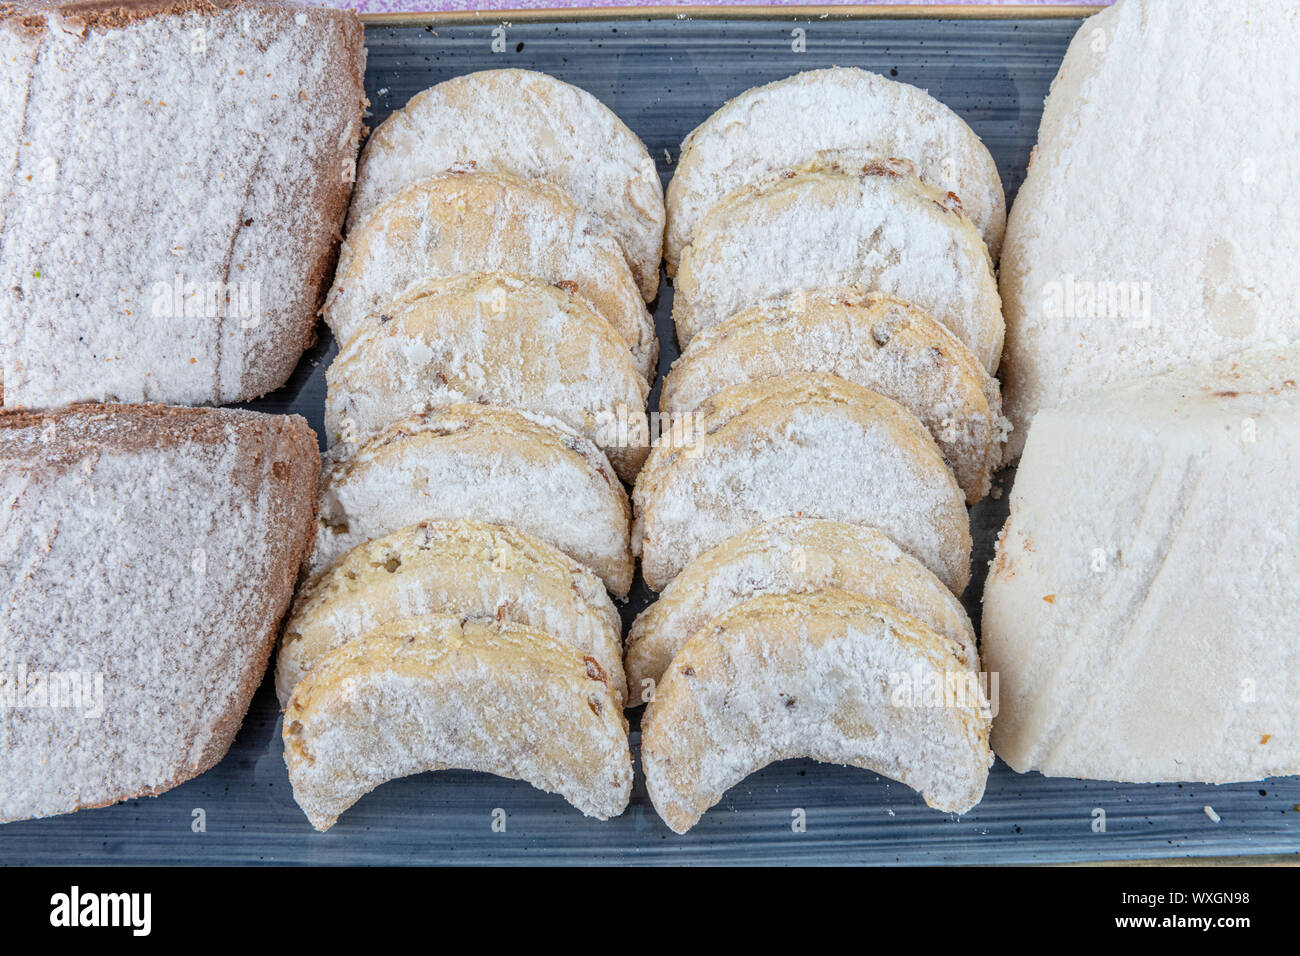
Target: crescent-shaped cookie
{"type": "Point", "coordinates": [496, 339]}
{"type": "Point", "coordinates": [787, 123]}
{"type": "Point", "coordinates": [433, 693]}
{"type": "Point", "coordinates": [487, 464]}
{"type": "Point", "coordinates": [830, 676]}
{"type": "Point", "coordinates": [812, 446]}
{"type": "Point", "coordinates": [789, 555]}
{"type": "Point", "coordinates": [867, 338]}
{"type": "Point", "coordinates": [454, 223]}
{"type": "Point", "coordinates": [876, 225]}
{"type": "Point", "coordinates": [532, 126]}
{"type": "Point", "coordinates": [472, 570]}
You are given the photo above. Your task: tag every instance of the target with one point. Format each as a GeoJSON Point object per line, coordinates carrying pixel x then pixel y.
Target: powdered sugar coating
{"type": "Point", "coordinates": [532, 126]}
{"type": "Point", "coordinates": [880, 228]}
{"type": "Point", "coordinates": [492, 338]}
{"type": "Point", "coordinates": [809, 445]}
{"type": "Point", "coordinates": [784, 124]}
{"type": "Point", "coordinates": [1156, 225]}
{"type": "Point", "coordinates": [869, 339]}
{"type": "Point", "coordinates": [811, 675]}
{"type": "Point", "coordinates": [1143, 610]}
{"type": "Point", "coordinates": [789, 555]}
{"type": "Point", "coordinates": [487, 464]}
{"type": "Point", "coordinates": [222, 157]}
{"type": "Point", "coordinates": [156, 548]}
{"type": "Point", "coordinates": [432, 693]}
{"type": "Point", "coordinates": [454, 223]}
{"type": "Point", "coordinates": [467, 569]}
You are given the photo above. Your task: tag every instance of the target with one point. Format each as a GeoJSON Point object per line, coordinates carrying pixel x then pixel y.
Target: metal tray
{"type": "Point", "coordinates": [663, 77]}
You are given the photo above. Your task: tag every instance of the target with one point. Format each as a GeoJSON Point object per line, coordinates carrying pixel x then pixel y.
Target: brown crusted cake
{"type": "Point", "coordinates": [147, 556]}
{"type": "Point", "coordinates": [174, 177]}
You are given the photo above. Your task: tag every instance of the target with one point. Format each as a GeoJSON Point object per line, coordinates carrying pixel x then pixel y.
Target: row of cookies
{"type": "Point", "coordinates": [503, 242]}
{"type": "Point", "coordinates": [454, 644]}
{"type": "Point", "coordinates": [488, 395]}
{"type": "Point", "coordinates": [834, 413]}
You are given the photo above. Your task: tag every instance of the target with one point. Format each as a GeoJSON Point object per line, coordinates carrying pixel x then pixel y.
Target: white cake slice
{"type": "Point", "coordinates": [1143, 612]}
{"type": "Point", "coordinates": [1155, 226]}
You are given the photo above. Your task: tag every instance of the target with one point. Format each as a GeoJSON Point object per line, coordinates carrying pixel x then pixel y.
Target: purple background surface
{"type": "Point", "coordinates": [462, 6]}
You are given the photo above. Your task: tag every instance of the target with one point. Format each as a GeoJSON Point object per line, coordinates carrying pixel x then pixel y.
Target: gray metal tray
{"type": "Point", "coordinates": [663, 77]}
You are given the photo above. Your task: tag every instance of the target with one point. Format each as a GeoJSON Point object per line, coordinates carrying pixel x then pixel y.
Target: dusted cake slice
{"type": "Point", "coordinates": [147, 556]}
{"type": "Point", "coordinates": [1143, 611]}
{"type": "Point", "coordinates": [173, 178]}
